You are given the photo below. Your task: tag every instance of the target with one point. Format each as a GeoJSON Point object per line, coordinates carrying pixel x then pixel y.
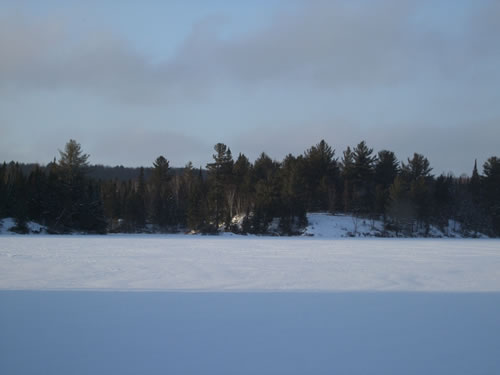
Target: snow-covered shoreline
{"type": "Point", "coordinates": [322, 225]}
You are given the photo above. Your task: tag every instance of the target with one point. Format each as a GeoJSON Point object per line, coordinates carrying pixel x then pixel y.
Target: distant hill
{"type": "Point", "coordinates": [104, 172]}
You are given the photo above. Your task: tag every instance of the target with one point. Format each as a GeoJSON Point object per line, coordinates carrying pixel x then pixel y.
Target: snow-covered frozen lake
{"type": "Point", "coordinates": [249, 333]}
{"type": "Point", "coordinates": [235, 305]}
{"type": "Point", "coordinates": [247, 263]}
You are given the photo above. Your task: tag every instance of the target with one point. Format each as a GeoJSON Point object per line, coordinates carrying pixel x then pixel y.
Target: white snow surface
{"type": "Point", "coordinates": [339, 226]}
{"type": "Point", "coordinates": [205, 263]}
{"type": "Point", "coordinates": [7, 224]}
{"type": "Point", "coordinates": [357, 305]}
{"type": "Point", "coordinates": [336, 226]}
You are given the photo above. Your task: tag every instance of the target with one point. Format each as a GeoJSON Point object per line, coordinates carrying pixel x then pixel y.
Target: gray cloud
{"type": "Point", "coordinates": [323, 43]}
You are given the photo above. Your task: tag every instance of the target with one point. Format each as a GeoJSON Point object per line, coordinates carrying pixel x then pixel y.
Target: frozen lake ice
{"type": "Point", "coordinates": [236, 305]}
{"type": "Point", "coordinates": [155, 262]}
{"type": "Point", "coordinates": [249, 333]}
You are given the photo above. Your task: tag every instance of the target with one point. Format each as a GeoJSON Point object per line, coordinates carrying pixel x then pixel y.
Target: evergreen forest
{"type": "Point", "coordinates": [234, 194]}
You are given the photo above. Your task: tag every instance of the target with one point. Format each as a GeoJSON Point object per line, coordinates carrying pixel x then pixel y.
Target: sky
{"type": "Point", "coordinates": [133, 80]}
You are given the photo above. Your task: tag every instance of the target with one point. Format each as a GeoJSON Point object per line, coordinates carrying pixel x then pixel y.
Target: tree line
{"type": "Point", "coordinates": [234, 194]}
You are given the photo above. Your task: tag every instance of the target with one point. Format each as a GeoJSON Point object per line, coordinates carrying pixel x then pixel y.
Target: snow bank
{"type": "Point", "coordinates": [337, 226]}
{"type": "Point", "coordinates": [8, 224]}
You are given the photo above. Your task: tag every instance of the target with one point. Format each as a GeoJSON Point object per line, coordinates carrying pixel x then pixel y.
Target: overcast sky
{"type": "Point", "coordinates": [133, 80]}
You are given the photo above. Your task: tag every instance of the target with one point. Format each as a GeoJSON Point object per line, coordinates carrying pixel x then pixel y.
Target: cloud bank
{"type": "Point", "coordinates": [324, 43]}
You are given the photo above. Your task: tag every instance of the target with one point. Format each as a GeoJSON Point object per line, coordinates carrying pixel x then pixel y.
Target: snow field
{"type": "Point", "coordinates": [330, 306]}
{"type": "Point", "coordinates": [178, 262]}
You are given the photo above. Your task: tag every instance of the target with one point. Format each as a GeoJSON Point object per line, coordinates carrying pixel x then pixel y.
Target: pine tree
{"type": "Point", "coordinates": [418, 166]}
{"type": "Point", "coordinates": [161, 169]}
{"type": "Point", "coordinates": [219, 173]}
{"type": "Point", "coordinates": [73, 162]}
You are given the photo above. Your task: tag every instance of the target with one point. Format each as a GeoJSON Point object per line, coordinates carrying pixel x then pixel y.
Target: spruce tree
{"type": "Point", "coordinates": [386, 168]}
{"type": "Point", "coordinates": [161, 193]}
{"type": "Point", "coordinates": [363, 173]}
{"type": "Point", "coordinates": [72, 167]}
{"type": "Point", "coordinates": [321, 174]}
{"type": "Point", "coordinates": [475, 184]}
